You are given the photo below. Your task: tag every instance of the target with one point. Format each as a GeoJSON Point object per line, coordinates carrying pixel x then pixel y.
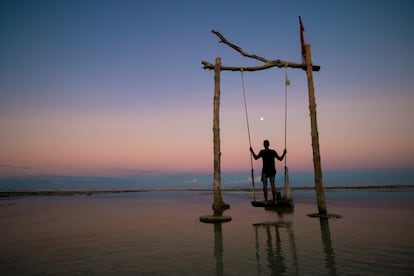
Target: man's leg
{"type": "Point", "coordinates": [272, 183]}
{"type": "Point", "coordinates": [265, 188]}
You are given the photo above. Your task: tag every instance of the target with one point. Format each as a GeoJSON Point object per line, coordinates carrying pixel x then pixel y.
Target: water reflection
{"type": "Point", "coordinates": [275, 251]}
{"type": "Point", "coordinates": [218, 248]}
{"type": "Point", "coordinates": [327, 246]}
{"type": "Point", "coordinates": [276, 247]}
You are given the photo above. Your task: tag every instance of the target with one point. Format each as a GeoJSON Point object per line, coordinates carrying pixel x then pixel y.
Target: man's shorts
{"type": "Point", "coordinates": [270, 177]}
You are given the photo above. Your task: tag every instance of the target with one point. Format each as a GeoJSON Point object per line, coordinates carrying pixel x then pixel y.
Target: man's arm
{"type": "Point", "coordinates": [254, 155]}
{"type": "Point", "coordinates": [280, 158]}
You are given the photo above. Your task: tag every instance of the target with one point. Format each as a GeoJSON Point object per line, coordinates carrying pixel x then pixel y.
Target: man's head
{"type": "Point", "coordinates": [266, 143]}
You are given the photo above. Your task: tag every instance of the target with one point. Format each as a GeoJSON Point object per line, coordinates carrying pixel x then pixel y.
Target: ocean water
{"type": "Point", "coordinates": [159, 233]}
{"type": "Point", "coordinates": [240, 180]}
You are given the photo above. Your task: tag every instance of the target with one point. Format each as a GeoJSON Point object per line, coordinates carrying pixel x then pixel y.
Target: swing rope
{"type": "Point", "coordinates": [248, 133]}
{"type": "Point", "coordinates": [287, 83]}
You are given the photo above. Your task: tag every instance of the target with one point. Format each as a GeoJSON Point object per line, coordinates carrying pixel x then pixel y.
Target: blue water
{"type": "Point", "coordinates": [188, 180]}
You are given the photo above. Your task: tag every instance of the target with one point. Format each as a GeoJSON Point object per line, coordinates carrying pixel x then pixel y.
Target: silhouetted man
{"type": "Point", "coordinates": [269, 169]}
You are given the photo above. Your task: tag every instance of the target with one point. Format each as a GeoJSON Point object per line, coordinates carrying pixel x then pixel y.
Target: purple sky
{"type": "Point", "coordinates": [114, 87]}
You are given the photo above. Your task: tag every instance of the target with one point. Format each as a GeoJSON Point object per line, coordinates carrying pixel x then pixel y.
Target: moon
{"type": "Point", "coordinates": [261, 118]}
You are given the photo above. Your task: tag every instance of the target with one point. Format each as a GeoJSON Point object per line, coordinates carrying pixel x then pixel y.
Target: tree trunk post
{"type": "Point", "coordinates": [216, 138]}
{"type": "Point", "coordinates": [320, 194]}
{"type": "Point", "coordinates": [218, 205]}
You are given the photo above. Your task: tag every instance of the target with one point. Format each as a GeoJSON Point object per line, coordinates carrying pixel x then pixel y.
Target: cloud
{"type": "Point", "coordinates": [7, 166]}
{"type": "Point", "coordinates": [140, 172]}
{"type": "Point", "coordinates": [7, 170]}
{"type": "Point", "coordinates": [192, 181]}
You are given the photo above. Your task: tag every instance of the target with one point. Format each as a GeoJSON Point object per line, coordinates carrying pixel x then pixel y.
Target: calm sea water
{"type": "Point", "coordinates": [159, 233]}
{"type": "Point", "coordinates": [188, 180]}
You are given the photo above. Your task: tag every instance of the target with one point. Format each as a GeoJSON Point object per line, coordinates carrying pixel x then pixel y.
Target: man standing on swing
{"type": "Point", "coordinates": [269, 169]}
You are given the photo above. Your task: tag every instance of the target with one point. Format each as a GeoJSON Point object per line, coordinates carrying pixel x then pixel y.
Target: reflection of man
{"type": "Point", "coordinates": [269, 169]}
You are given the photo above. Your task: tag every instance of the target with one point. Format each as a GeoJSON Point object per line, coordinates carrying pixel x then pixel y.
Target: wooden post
{"type": "Point", "coordinates": [320, 194]}
{"type": "Point", "coordinates": [218, 205]}
{"type": "Point", "coordinates": [216, 138]}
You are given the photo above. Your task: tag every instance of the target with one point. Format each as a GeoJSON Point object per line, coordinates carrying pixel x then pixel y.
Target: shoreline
{"type": "Point", "coordinates": [26, 193]}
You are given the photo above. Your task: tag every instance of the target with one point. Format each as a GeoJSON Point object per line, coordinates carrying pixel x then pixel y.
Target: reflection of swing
{"type": "Point", "coordinates": [271, 239]}
{"type": "Point", "coordinates": [285, 201]}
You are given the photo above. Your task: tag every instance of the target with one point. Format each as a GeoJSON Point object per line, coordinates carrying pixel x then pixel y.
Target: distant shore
{"type": "Point", "coordinates": [24, 193]}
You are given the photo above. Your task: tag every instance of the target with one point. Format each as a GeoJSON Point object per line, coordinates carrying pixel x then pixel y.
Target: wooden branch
{"type": "Point", "coordinates": [237, 48]}
{"type": "Point", "coordinates": [267, 63]}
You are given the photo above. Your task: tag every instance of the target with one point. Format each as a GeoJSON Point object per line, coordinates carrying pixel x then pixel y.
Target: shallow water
{"type": "Point", "coordinates": [159, 233]}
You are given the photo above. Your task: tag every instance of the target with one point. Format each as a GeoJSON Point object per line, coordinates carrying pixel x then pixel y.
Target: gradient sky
{"type": "Point", "coordinates": [117, 87]}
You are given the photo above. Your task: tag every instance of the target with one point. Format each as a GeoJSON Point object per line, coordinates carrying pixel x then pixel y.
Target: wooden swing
{"type": "Point", "coordinates": [308, 67]}
{"type": "Point", "coordinates": [285, 201]}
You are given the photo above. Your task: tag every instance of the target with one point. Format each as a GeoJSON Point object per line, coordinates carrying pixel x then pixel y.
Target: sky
{"type": "Point", "coordinates": [113, 88]}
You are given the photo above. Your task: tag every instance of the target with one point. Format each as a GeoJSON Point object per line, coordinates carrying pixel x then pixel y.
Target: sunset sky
{"type": "Point", "coordinates": [117, 87]}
